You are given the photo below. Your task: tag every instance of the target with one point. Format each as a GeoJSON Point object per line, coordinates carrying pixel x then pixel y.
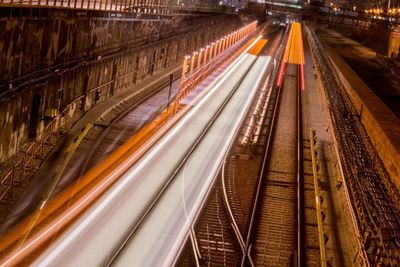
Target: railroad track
{"type": "Point", "coordinates": [272, 237]}
{"type": "Point", "coordinates": [276, 227]}
{"type": "Point", "coordinates": [216, 239]}
{"type": "Point", "coordinates": [113, 130]}
{"type": "Point", "coordinates": [283, 228]}
{"type": "Point", "coordinates": [285, 231]}
{"type": "Point", "coordinates": [219, 234]}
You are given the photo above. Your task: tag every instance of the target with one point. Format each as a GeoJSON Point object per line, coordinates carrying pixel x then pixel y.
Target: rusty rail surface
{"type": "Point", "coordinates": [374, 213]}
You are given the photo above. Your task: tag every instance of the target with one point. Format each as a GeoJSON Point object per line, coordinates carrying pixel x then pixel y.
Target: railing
{"type": "Point", "coordinates": [150, 7]}
{"type": "Point", "coordinates": [36, 150]}
{"type": "Point", "coordinates": [155, 7]}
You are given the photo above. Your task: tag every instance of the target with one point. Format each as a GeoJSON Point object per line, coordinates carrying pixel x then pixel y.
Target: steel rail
{"type": "Point", "coordinates": [195, 245]}
{"type": "Point", "coordinates": [234, 224]}
{"type": "Point", "coordinates": [263, 170]}
{"type": "Point", "coordinates": [230, 212]}
{"type": "Point", "coordinates": [300, 178]}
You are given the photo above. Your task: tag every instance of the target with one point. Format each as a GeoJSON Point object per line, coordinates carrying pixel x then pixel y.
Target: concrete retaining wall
{"type": "Point", "coordinates": [380, 123]}
{"type": "Point", "coordinates": [25, 112]}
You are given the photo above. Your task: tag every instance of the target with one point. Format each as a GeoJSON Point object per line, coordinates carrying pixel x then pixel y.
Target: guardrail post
{"type": "Point", "coordinates": [216, 49]}
{"type": "Point", "coordinates": [205, 55]}
{"type": "Point", "coordinates": [192, 64]}
{"type": "Point", "coordinates": [219, 46]}
{"type": "Point", "coordinates": [211, 51]}
{"type": "Point", "coordinates": [226, 42]}
{"type": "Point", "coordinates": [199, 58]}
{"type": "Point", "coordinates": [184, 68]}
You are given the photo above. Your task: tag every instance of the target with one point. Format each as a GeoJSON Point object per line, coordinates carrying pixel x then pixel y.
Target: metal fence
{"type": "Point", "coordinates": [150, 7]}
{"type": "Point", "coordinates": [156, 7]}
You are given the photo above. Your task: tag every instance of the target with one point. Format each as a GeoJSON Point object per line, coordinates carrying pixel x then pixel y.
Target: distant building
{"type": "Point", "coordinates": [358, 4]}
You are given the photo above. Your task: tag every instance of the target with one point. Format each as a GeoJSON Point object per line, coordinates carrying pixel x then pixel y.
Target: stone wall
{"type": "Point", "coordinates": [88, 59]}
{"type": "Point", "coordinates": [33, 45]}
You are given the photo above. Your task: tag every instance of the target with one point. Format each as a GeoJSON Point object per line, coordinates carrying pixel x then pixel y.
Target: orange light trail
{"type": "Point", "coordinates": [258, 47]}
{"type": "Point", "coordinates": [294, 54]}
